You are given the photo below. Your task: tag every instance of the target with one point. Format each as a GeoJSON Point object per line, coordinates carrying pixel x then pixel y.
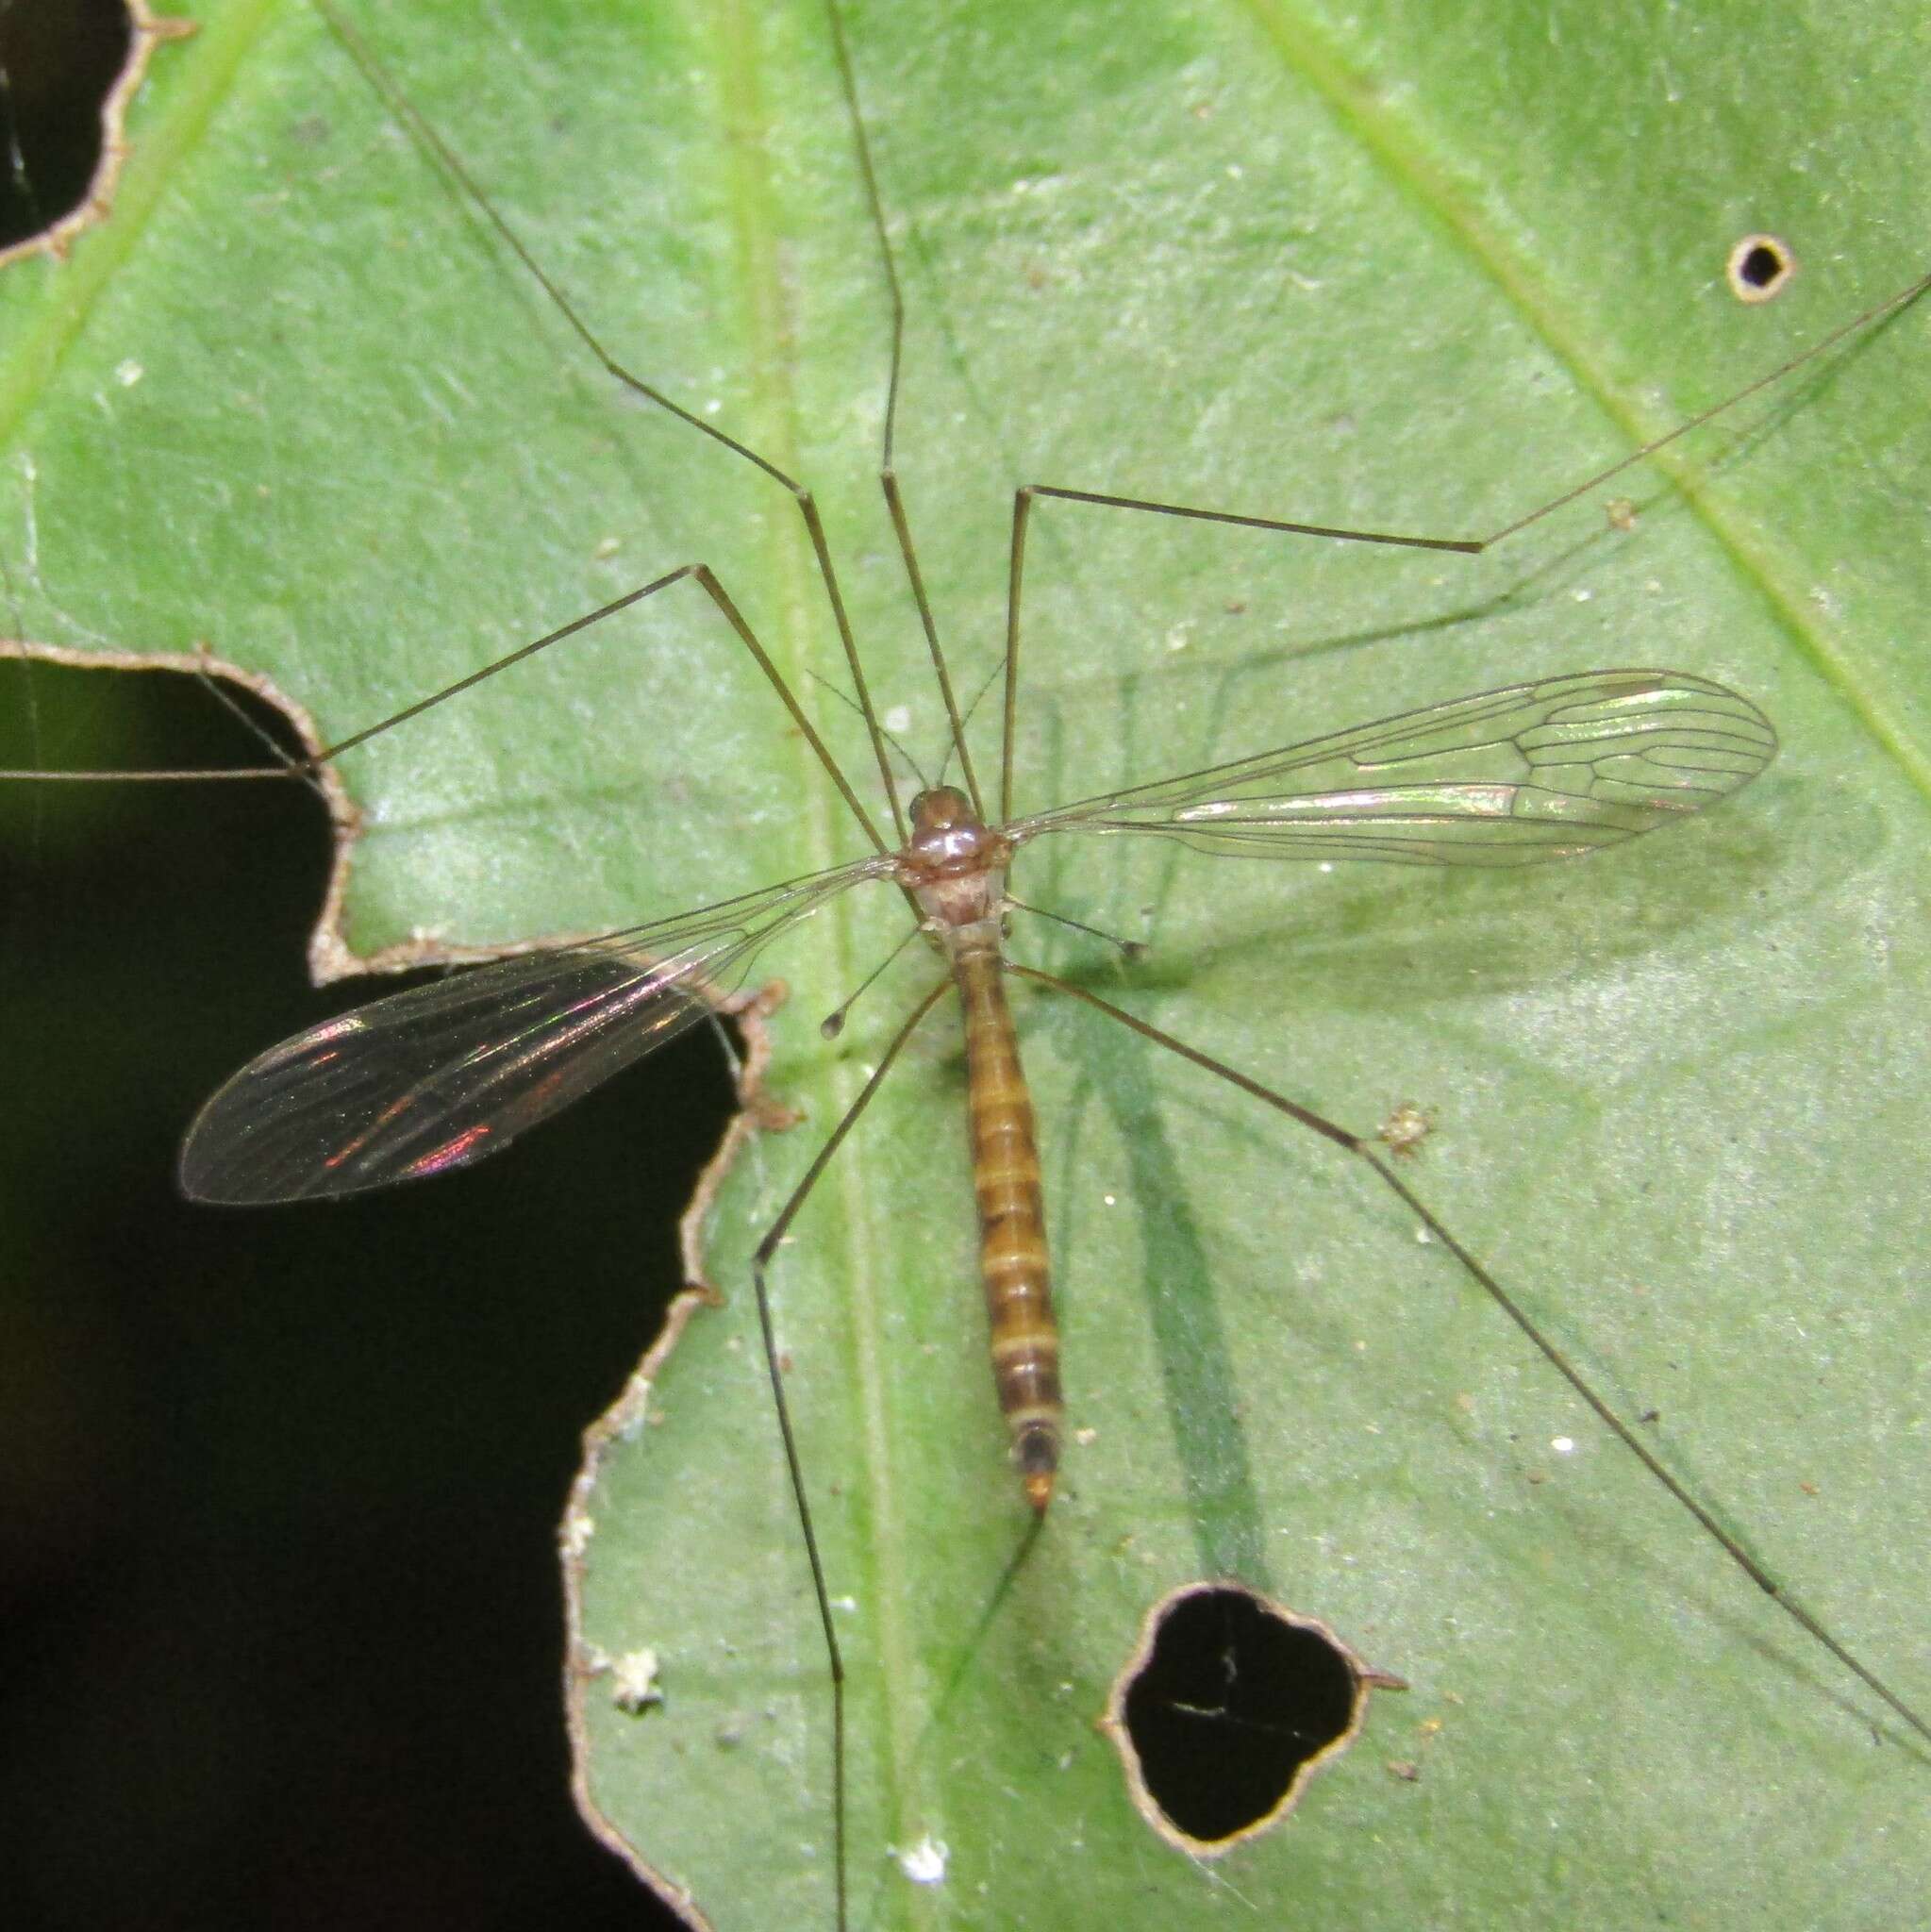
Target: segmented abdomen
{"type": "Point", "coordinates": [1012, 1226]}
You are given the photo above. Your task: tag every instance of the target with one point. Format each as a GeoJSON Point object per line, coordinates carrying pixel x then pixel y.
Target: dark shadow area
{"type": "Point", "coordinates": [1234, 1703]}
{"type": "Point", "coordinates": [281, 1615]}
{"type": "Point", "coordinates": [58, 59]}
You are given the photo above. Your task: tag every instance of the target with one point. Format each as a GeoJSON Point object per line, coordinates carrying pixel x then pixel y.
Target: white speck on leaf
{"type": "Point", "coordinates": [925, 1863]}
{"type": "Point", "coordinates": [634, 1681]}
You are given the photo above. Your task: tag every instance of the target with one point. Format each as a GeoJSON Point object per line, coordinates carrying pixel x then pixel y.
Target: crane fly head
{"type": "Point", "coordinates": [949, 840]}
{"type": "Point", "coordinates": [940, 809]}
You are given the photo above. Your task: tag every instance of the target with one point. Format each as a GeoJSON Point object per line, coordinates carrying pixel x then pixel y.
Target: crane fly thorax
{"type": "Point", "coordinates": [954, 864]}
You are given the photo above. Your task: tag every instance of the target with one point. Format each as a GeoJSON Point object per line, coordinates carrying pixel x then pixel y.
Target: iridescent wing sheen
{"type": "Point", "coordinates": [1533, 771]}
{"type": "Point", "coordinates": [443, 1075]}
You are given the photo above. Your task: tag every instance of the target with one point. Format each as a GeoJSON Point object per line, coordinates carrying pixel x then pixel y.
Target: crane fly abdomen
{"type": "Point", "coordinates": [1012, 1225]}
{"type": "Point", "coordinates": [955, 866]}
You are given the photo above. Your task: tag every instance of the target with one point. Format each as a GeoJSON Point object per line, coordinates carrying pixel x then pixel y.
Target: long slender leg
{"type": "Point", "coordinates": [1468, 546]}
{"type": "Point", "coordinates": [1516, 1313]}
{"type": "Point", "coordinates": [1015, 580]}
{"type": "Point", "coordinates": [894, 503]}
{"type": "Point", "coordinates": [292, 766]}
{"type": "Point", "coordinates": [1876, 312]}
{"type": "Point", "coordinates": [887, 475]}
{"type": "Point", "coordinates": [446, 159]}
{"type": "Point", "coordinates": [874, 202]}
{"type": "Point", "coordinates": [698, 573]}
{"type": "Point", "coordinates": [760, 1261]}
{"type": "Point", "coordinates": [288, 767]}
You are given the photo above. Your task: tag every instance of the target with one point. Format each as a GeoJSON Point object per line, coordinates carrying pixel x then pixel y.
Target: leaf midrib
{"type": "Point", "coordinates": [800, 595]}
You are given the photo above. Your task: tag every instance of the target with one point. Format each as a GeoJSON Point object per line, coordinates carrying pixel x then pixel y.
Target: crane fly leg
{"type": "Point", "coordinates": [1623, 1433]}
{"type": "Point", "coordinates": [760, 1263]}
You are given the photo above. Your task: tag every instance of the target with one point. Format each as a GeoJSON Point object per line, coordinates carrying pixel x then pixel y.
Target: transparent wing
{"type": "Point", "coordinates": [1531, 773]}
{"type": "Point", "coordinates": [440, 1076]}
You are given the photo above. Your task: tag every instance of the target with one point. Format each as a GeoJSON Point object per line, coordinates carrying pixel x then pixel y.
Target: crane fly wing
{"type": "Point", "coordinates": [1517, 776]}
{"type": "Point", "coordinates": [443, 1075]}
{"type": "Point", "coordinates": [438, 1076]}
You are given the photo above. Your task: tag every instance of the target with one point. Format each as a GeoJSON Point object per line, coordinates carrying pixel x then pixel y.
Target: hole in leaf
{"type": "Point", "coordinates": [432, 1352]}
{"type": "Point", "coordinates": [58, 62]}
{"type": "Point", "coordinates": [1759, 268]}
{"type": "Point", "coordinates": [68, 69]}
{"type": "Point", "coordinates": [1229, 1705]}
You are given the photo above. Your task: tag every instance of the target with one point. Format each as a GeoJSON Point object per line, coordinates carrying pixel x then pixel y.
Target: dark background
{"type": "Point", "coordinates": [58, 58]}
{"type": "Point", "coordinates": [279, 1605]}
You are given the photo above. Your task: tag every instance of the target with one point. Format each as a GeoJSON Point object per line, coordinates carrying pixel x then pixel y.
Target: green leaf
{"type": "Point", "coordinates": [1415, 269]}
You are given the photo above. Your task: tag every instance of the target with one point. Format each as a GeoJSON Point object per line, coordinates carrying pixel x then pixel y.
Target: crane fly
{"type": "Point", "coordinates": [1543, 770]}
{"type": "Point", "coordinates": [440, 1076]}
